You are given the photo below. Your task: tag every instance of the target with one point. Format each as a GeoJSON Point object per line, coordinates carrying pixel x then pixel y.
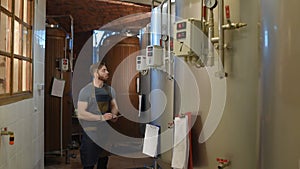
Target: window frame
{"type": "Point", "coordinates": [25, 40]}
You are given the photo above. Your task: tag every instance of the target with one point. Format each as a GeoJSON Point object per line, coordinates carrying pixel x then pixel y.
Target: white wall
{"type": "Point", "coordinates": [26, 118]}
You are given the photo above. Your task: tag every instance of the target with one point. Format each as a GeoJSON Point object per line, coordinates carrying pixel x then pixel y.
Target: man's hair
{"type": "Point", "coordinates": [94, 67]}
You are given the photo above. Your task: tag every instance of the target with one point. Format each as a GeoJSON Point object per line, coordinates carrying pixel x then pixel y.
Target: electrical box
{"type": "Point", "coordinates": [141, 63]}
{"type": "Point", "coordinates": [188, 37]}
{"type": "Point", "coordinates": [154, 56]}
{"type": "Point", "coordinates": [64, 64]}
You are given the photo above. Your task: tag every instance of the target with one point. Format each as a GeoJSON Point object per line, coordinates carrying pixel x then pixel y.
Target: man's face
{"type": "Point", "coordinates": [102, 73]}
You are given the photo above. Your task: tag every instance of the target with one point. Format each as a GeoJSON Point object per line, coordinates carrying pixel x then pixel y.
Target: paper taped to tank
{"type": "Point", "coordinates": [151, 140]}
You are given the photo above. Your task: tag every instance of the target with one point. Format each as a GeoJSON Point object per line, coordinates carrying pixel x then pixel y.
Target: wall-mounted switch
{"type": "Point", "coordinates": [40, 86]}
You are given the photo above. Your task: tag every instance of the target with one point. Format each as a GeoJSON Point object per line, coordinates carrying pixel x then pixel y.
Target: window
{"type": "Point", "coordinates": [16, 75]}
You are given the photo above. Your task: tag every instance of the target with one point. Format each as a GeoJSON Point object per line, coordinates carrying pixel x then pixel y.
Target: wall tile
{"type": "Point", "coordinates": [21, 117]}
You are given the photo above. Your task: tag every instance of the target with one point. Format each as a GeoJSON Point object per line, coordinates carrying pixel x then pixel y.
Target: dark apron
{"type": "Point", "coordinates": [94, 134]}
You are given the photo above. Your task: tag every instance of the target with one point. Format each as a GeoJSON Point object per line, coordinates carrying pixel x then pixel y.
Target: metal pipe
{"type": "Point", "coordinates": [221, 32]}
{"type": "Point", "coordinates": [152, 4]}
{"type": "Point", "coordinates": [161, 10]}
{"type": "Point", "coordinates": [161, 16]}
{"type": "Point", "coordinates": [170, 61]}
{"type": "Point", "coordinates": [57, 16]}
{"type": "Point", "coordinates": [66, 47]}
{"type": "Point", "coordinates": [3, 133]}
{"type": "Point", "coordinates": [214, 40]}
{"type": "Point", "coordinates": [210, 56]}
{"type": "Point", "coordinates": [52, 25]}
{"type": "Point", "coordinates": [202, 14]}
{"type": "Point", "coordinates": [61, 120]}
{"type": "Point", "coordinates": [161, 29]}
{"type": "Point", "coordinates": [72, 41]}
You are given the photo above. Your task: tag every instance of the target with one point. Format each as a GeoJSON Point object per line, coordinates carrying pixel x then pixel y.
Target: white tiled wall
{"type": "Point", "coordinates": [26, 118]}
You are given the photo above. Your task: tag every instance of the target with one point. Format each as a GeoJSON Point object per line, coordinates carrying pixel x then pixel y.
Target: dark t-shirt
{"type": "Point", "coordinates": [99, 101]}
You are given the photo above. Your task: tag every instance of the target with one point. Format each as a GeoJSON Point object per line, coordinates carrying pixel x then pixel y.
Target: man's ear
{"type": "Point", "coordinates": [95, 74]}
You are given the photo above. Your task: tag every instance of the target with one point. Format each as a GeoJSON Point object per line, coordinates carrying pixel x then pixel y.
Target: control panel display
{"type": "Point", "coordinates": [154, 56]}
{"type": "Point", "coordinates": [181, 35]}
{"type": "Point", "coordinates": [181, 25]}
{"type": "Point", "coordinates": [141, 63]}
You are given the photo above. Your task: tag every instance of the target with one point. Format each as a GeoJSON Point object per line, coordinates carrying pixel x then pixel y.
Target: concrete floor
{"type": "Point", "coordinates": [115, 162]}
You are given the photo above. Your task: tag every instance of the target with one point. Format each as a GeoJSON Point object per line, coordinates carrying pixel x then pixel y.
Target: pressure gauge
{"type": "Point", "coordinates": [164, 38]}
{"type": "Point", "coordinates": [211, 3]}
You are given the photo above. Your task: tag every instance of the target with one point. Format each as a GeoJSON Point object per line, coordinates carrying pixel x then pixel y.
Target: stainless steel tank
{"type": "Point", "coordinates": [236, 136]}
{"type": "Point", "coordinates": [280, 81]}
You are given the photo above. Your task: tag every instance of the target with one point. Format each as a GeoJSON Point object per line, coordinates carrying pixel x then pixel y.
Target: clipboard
{"type": "Point", "coordinates": [151, 139]}
{"type": "Point", "coordinates": [58, 86]}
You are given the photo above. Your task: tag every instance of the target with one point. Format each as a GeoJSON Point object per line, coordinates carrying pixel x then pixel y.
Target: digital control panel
{"type": "Point", "coordinates": [154, 55]}
{"type": "Point", "coordinates": [64, 64]}
{"type": "Point", "coordinates": [141, 63]}
{"type": "Point", "coordinates": [187, 37]}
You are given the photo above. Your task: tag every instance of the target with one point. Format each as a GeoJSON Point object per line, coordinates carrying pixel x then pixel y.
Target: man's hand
{"type": "Point", "coordinates": [115, 118]}
{"type": "Point", "coordinates": [108, 116]}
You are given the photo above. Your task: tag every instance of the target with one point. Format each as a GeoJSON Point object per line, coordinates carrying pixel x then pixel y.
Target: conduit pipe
{"type": "Point", "coordinates": [221, 37]}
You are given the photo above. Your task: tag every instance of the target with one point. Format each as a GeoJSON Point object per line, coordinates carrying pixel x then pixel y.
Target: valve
{"type": "Point", "coordinates": [227, 12]}
{"type": "Point", "coordinates": [12, 139]}
{"type": "Point", "coordinates": [229, 24]}
{"type": "Point", "coordinates": [11, 135]}
{"type": "Point", "coordinates": [223, 163]}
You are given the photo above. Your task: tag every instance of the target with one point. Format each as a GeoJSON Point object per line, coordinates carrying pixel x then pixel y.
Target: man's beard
{"type": "Point", "coordinates": [103, 78]}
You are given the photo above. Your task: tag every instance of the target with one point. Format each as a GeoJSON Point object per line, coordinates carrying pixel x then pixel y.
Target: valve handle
{"type": "Point", "coordinates": [221, 160]}
{"type": "Point", "coordinates": [204, 11]}
{"type": "Point", "coordinates": [227, 11]}
{"type": "Point", "coordinates": [11, 139]}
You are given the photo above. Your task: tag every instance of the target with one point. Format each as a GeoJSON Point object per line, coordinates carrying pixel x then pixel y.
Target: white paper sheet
{"type": "Point", "coordinates": [58, 87]}
{"type": "Point", "coordinates": [151, 140]}
{"type": "Point", "coordinates": [180, 150]}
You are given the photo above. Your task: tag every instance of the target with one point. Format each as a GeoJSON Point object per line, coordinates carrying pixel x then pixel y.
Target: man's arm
{"type": "Point", "coordinates": [114, 107]}
{"type": "Point", "coordinates": [85, 115]}
{"type": "Point", "coordinates": [114, 110]}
